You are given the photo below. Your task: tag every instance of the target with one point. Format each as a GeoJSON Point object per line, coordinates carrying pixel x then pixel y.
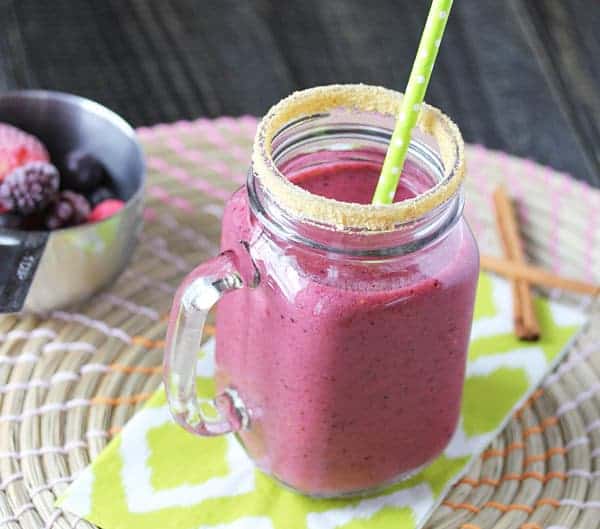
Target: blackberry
{"type": "Point", "coordinates": [100, 195]}
{"type": "Point", "coordinates": [30, 188]}
{"type": "Point", "coordinates": [83, 172]}
{"type": "Point", "coordinates": [70, 209]}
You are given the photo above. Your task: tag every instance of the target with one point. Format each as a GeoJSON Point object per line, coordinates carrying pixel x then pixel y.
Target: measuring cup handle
{"type": "Point", "coordinates": [20, 255]}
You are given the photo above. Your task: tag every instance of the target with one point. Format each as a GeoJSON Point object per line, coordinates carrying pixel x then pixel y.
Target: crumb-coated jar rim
{"type": "Point", "coordinates": [343, 215]}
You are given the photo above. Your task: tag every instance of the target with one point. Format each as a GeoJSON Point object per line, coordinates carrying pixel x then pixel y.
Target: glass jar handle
{"type": "Point", "coordinates": [198, 293]}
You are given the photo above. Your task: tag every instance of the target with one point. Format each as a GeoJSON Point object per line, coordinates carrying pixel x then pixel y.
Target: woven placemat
{"type": "Point", "coordinates": [70, 380]}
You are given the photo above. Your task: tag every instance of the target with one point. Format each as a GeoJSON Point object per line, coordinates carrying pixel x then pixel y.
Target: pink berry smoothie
{"type": "Point", "coordinates": [353, 372]}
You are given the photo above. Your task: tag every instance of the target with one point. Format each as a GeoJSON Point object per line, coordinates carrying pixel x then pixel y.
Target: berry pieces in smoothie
{"type": "Point", "coordinates": [18, 148]}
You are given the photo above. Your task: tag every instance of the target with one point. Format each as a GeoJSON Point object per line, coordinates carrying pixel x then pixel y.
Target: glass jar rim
{"type": "Point", "coordinates": [344, 215]}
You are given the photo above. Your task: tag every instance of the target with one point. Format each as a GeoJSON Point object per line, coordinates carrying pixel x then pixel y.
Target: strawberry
{"type": "Point", "coordinates": [18, 148]}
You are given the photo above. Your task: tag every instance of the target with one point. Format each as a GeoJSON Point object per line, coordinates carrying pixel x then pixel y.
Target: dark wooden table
{"type": "Point", "coordinates": [517, 75]}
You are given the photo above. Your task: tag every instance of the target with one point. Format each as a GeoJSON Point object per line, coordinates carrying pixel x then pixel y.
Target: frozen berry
{"type": "Point", "coordinates": [105, 209]}
{"type": "Point", "coordinates": [100, 195]}
{"type": "Point", "coordinates": [30, 188]}
{"type": "Point", "coordinates": [10, 221]}
{"type": "Point", "coordinates": [18, 148]}
{"type": "Point", "coordinates": [70, 209]}
{"type": "Point", "coordinates": [82, 172]}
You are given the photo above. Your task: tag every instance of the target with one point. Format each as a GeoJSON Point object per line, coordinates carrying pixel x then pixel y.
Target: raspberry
{"type": "Point", "coordinates": [70, 209]}
{"type": "Point", "coordinates": [18, 148]}
{"type": "Point", "coordinates": [105, 209]}
{"type": "Point", "coordinates": [30, 188]}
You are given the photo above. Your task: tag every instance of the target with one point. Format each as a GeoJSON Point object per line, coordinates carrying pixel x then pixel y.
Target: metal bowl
{"type": "Point", "coordinates": [41, 271]}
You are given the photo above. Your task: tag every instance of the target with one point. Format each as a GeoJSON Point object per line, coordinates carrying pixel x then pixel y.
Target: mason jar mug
{"type": "Point", "coordinates": [342, 327]}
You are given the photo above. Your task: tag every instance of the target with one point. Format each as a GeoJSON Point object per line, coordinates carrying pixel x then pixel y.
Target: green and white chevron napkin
{"type": "Point", "coordinates": [154, 475]}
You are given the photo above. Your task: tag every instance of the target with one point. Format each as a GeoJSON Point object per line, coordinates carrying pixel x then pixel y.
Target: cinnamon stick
{"type": "Point", "coordinates": [536, 275]}
{"type": "Point", "coordinates": [526, 324]}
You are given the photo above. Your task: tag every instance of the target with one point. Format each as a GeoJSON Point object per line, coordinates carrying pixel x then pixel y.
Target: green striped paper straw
{"type": "Point", "coordinates": [411, 103]}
